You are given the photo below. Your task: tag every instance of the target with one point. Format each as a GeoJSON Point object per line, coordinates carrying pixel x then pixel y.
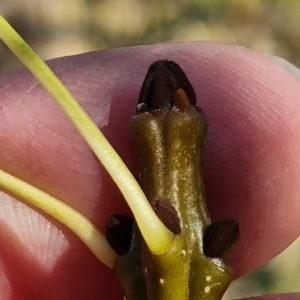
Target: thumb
{"type": "Point", "coordinates": [41, 259]}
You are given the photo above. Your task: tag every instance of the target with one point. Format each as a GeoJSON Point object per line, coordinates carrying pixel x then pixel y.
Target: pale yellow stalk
{"type": "Point", "coordinates": [156, 235]}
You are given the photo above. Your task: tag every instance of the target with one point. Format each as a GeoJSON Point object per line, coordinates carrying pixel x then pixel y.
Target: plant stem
{"type": "Point", "coordinates": [79, 224]}
{"type": "Point", "coordinates": [156, 235]}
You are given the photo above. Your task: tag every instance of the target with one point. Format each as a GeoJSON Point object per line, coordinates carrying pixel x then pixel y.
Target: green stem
{"type": "Point", "coordinates": [79, 224]}
{"type": "Point", "coordinates": [156, 235]}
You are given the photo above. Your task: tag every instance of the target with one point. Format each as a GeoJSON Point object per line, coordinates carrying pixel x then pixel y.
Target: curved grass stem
{"type": "Point", "coordinates": [156, 235]}
{"type": "Point", "coordinates": [79, 224]}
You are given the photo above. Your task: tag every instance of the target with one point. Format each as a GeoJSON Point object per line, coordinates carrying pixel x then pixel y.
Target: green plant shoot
{"type": "Point", "coordinates": [171, 251]}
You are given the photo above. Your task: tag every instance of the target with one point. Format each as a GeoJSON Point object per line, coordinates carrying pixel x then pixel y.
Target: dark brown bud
{"type": "Point", "coordinates": [163, 79]}
{"type": "Point", "coordinates": [118, 230]}
{"type": "Point", "coordinates": [220, 238]}
{"type": "Point", "coordinates": [167, 214]}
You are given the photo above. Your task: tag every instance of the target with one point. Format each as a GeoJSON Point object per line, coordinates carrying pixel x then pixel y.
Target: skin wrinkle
{"type": "Point", "coordinates": [33, 231]}
{"type": "Point", "coordinates": [30, 151]}
{"type": "Point", "coordinates": [225, 166]}
{"type": "Point", "coordinates": [5, 287]}
{"type": "Point", "coordinates": [256, 156]}
{"type": "Point", "coordinates": [31, 87]}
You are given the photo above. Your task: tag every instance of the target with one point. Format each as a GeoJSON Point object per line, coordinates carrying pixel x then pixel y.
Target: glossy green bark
{"type": "Point", "coordinates": [169, 144]}
{"type": "Point", "coordinates": [169, 133]}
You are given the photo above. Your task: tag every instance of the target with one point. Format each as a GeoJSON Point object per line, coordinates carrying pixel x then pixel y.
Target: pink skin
{"type": "Point", "coordinates": [252, 161]}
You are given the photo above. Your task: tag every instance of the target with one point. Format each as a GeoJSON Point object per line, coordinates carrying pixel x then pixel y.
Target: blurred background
{"type": "Point", "coordinates": [57, 28]}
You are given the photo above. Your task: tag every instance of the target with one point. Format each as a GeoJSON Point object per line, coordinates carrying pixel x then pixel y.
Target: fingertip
{"type": "Point", "coordinates": [251, 161]}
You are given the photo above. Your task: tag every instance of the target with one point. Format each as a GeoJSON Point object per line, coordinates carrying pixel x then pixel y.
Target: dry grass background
{"type": "Point", "coordinates": [57, 28]}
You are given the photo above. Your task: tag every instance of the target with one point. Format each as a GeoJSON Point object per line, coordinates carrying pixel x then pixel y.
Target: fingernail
{"type": "Point", "coordinates": [293, 70]}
